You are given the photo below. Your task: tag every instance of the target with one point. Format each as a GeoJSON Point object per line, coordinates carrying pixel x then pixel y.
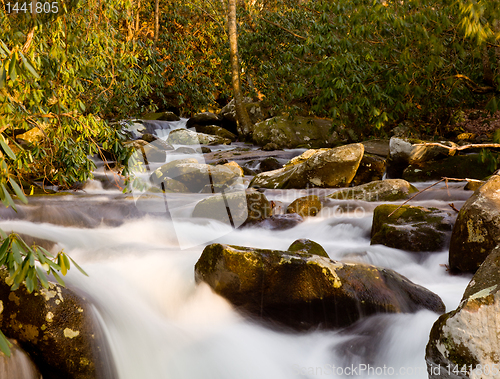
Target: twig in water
{"type": "Point", "coordinates": [452, 206]}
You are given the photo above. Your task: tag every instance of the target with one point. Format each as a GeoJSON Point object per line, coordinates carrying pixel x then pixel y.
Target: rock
{"type": "Point", "coordinates": [205, 118]}
{"type": "Point", "coordinates": [469, 335]}
{"type": "Point", "coordinates": [244, 208]}
{"type": "Point", "coordinates": [411, 228]}
{"type": "Point", "coordinates": [378, 147]}
{"type": "Point", "coordinates": [161, 116]}
{"type": "Point", "coordinates": [304, 157]}
{"type": "Point", "coordinates": [279, 221]}
{"type": "Point", "coordinates": [411, 151]}
{"type": "Point", "coordinates": [271, 146]}
{"type": "Point", "coordinates": [287, 132]}
{"type": "Point", "coordinates": [188, 137]}
{"type": "Point", "coordinates": [205, 150]}
{"type": "Point", "coordinates": [302, 290]}
{"type": "Point", "coordinates": [216, 131]}
{"type": "Point", "coordinates": [58, 329]}
{"type": "Point", "coordinates": [473, 184]}
{"type": "Point", "coordinates": [184, 150]}
{"type": "Point", "coordinates": [379, 190]}
{"type": "Point", "coordinates": [477, 229]}
{"type": "Point", "coordinates": [460, 166]}
{"type": "Point", "coordinates": [152, 154]}
{"type": "Point", "coordinates": [308, 246]}
{"type": "Point", "coordinates": [19, 365]}
{"type": "Point", "coordinates": [305, 206]}
{"type": "Point", "coordinates": [173, 186]}
{"type": "Point", "coordinates": [235, 167]}
{"type": "Point", "coordinates": [148, 137]}
{"type": "Point", "coordinates": [255, 111]}
{"type": "Point", "coordinates": [325, 169]}
{"type": "Point", "coordinates": [160, 174]}
{"type": "Point", "coordinates": [269, 164]}
{"type": "Point", "coordinates": [371, 168]}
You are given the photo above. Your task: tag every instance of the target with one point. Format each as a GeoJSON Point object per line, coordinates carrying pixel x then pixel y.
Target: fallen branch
{"type": "Point", "coordinates": [426, 188]}
{"type": "Point", "coordinates": [455, 148]}
{"type": "Point", "coordinates": [474, 87]}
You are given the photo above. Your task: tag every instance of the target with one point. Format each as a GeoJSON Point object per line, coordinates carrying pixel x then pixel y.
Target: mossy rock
{"type": "Point", "coordinates": [460, 166]}
{"type": "Point", "coordinates": [216, 131]}
{"type": "Point", "coordinates": [188, 137]}
{"type": "Point", "coordinates": [477, 229]}
{"type": "Point", "coordinates": [287, 132]}
{"type": "Point", "coordinates": [161, 116]}
{"type": "Point", "coordinates": [58, 329]}
{"type": "Point", "coordinates": [411, 228]}
{"type": "Point", "coordinates": [380, 190]}
{"type": "Point", "coordinates": [469, 335]}
{"type": "Point", "coordinates": [305, 206]}
{"type": "Point", "coordinates": [302, 290]}
{"type": "Point", "coordinates": [330, 168]}
{"type": "Point", "coordinates": [308, 246]}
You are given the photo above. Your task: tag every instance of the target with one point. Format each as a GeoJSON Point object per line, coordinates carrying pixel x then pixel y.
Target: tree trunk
{"type": "Point", "coordinates": [138, 18]}
{"type": "Point", "coordinates": [243, 120]}
{"type": "Point", "coordinates": [157, 19]}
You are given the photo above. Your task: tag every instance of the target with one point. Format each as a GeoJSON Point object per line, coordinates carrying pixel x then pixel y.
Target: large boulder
{"type": "Point", "coordinates": [371, 168]}
{"type": "Point", "coordinates": [235, 209]}
{"type": "Point", "coordinates": [216, 131]}
{"type": "Point", "coordinates": [469, 337]}
{"type": "Point", "coordinates": [459, 166]}
{"type": "Point", "coordinates": [204, 118]}
{"type": "Point", "coordinates": [477, 229]}
{"type": "Point", "coordinates": [305, 206]}
{"type": "Point", "coordinates": [288, 132]}
{"type": "Point", "coordinates": [302, 290]}
{"type": "Point", "coordinates": [379, 190]}
{"type": "Point", "coordinates": [195, 176]}
{"type": "Point", "coordinates": [326, 169]}
{"type": "Point", "coordinates": [254, 110]}
{"type": "Point", "coordinates": [57, 328]}
{"type": "Point", "coordinates": [411, 228]}
{"type": "Point", "coordinates": [188, 137]}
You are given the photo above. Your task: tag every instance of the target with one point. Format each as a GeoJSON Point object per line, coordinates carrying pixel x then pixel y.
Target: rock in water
{"type": "Point", "coordinates": [477, 229]}
{"type": "Point", "coordinates": [305, 206]}
{"type": "Point", "coordinates": [469, 336]}
{"type": "Point", "coordinates": [188, 137]}
{"type": "Point", "coordinates": [379, 190]}
{"type": "Point", "coordinates": [411, 228]}
{"type": "Point", "coordinates": [308, 246]}
{"type": "Point", "coordinates": [328, 168]}
{"type": "Point", "coordinates": [302, 290]}
{"type": "Point", "coordinates": [58, 329]}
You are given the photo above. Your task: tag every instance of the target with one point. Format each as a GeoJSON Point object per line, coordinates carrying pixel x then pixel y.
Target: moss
{"type": "Point", "coordinates": [306, 245]}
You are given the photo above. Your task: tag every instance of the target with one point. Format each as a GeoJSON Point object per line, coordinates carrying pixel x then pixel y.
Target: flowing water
{"type": "Point", "coordinates": [161, 324]}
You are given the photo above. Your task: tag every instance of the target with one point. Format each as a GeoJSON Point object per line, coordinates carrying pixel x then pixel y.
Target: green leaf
{"type": "Point", "coordinates": [78, 267]}
{"type": "Point", "coordinates": [4, 344]}
{"type": "Point", "coordinates": [492, 105]}
{"type": "Point", "coordinates": [29, 67]}
{"type": "Point", "coordinates": [13, 70]}
{"type": "Point", "coordinates": [58, 278]}
{"type": "Point", "coordinates": [19, 192]}
{"type": "Point", "coordinates": [7, 197]}
{"type": "Point", "coordinates": [3, 77]}
{"type": "Point", "coordinates": [42, 276]}
{"type": "Point", "coordinates": [6, 148]}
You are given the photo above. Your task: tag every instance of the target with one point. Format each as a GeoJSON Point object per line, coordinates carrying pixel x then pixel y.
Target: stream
{"type": "Point", "coordinates": [161, 324]}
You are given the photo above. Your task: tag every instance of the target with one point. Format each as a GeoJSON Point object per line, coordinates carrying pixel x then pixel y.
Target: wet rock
{"type": "Point", "coordinates": [477, 229]}
{"type": "Point", "coordinates": [371, 168]}
{"type": "Point", "coordinates": [188, 137]}
{"type": "Point", "coordinates": [460, 166]}
{"type": "Point", "coordinates": [216, 131]}
{"type": "Point", "coordinates": [269, 164]}
{"type": "Point", "coordinates": [473, 184]}
{"type": "Point", "coordinates": [173, 186]}
{"type": "Point", "coordinates": [271, 146]}
{"type": "Point", "coordinates": [305, 206]}
{"type": "Point", "coordinates": [411, 228]}
{"type": "Point", "coordinates": [160, 174]}
{"type": "Point", "coordinates": [287, 132]}
{"type": "Point", "coordinates": [19, 365]}
{"type": "Point", "coordinates": [58, 329]}
{"type": "Point", "coordinates": [235, 209]}
{"type": "Point", "coordinates": [184, 150]}
{"type": "Point", "coordinates": [378, 147]}
{"type": "Point", "coordinates": [205, 150]}
{"type": "Point", "coordinates": [380, 190]}
{"type": "Point", "coordinates": [301, 290]}
{"type": "Point", "coordinates": [148, 137]}
{"type": "Point", "coordinates": [204, 118]}
{"type": "Point", "coordinates": [308, 246]}
{"type": "Point", "coordinates": [326, 169]}
{"type": "Point", "coordinates": [469, 335]}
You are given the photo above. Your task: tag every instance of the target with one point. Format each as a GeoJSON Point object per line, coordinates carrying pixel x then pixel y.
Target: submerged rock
{"type": "Point", "coordinates": [477, 229]}
{"type": "Point", "coordinates": [380, 190]}
{"type": "Point", "coordinates": [302, 290]}
{"type": "Point", "coordinates": [469, 336]}
{"type": "Point", "coordinates": [58, 329]}
{"type": "Point", "coordinates": [327, 169]}
{"type": "Point", "coordinates": [287, 132]}
{"type": "Point", "coordinates": [411, 228]}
